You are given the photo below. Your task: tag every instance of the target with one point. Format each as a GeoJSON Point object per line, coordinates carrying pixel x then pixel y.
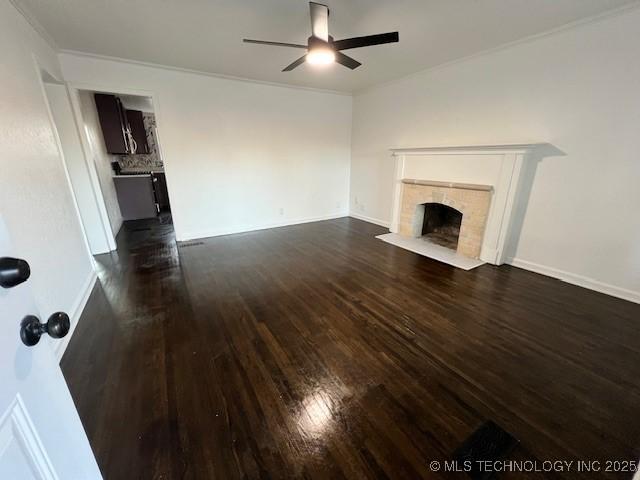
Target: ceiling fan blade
{"type": "Point", "coordinates": [357, 42]}
{"type": "Point", "coordinates": [319, 20]}
{"type": "Point", "coordinates": [277, 44]}
{"type": "Point", "coordinates": [348, 62]}
{"type": "Point", "coordinates": [295, 64]}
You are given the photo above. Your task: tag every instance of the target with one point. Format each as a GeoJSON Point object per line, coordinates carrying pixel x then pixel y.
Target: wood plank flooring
{"type": "Point", "coordinates": [317, 351]}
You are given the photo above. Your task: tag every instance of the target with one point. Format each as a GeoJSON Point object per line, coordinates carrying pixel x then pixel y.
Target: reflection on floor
{"type": "Point", "coordinates": [318, 351]}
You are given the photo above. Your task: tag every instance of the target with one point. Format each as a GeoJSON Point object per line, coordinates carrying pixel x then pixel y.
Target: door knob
{"type": "Point", "coordinates": [31, 329]}
{"type": "Point", "coordinates": [13, 271]}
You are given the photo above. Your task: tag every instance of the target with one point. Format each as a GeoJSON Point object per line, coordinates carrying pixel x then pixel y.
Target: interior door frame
{"type": "Point", "coordinates": [43, 73]}
{"type": "Point", "coordinates": [75, 87]}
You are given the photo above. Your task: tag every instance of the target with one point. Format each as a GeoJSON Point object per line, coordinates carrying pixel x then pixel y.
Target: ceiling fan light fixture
{"type": "Point", "coordinates": [322, 49]}
{"type": "Point", "coordinates": [321, 56]}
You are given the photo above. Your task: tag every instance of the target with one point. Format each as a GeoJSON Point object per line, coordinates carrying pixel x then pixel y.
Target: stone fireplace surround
{"type": "Point", "coordinates": [481, 180]}
{"type": "Point", "coordinates": [472, 200]}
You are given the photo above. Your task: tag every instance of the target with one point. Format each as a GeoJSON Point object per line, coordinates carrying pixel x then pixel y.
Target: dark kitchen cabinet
{"type": "Point", "coordinates": [138, 132]}
{"type": "Point", "coordinates": [113, 121]}
{"type": "Point", "coordinates": [135, 197]}
{"type": "Point", "coordinates": [160, 191]}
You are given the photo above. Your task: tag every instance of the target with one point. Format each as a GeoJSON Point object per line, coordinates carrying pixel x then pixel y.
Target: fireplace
{"type": "Point", "coordinates": [448, 214]}
{"type": "Point", "coordinates": [441, 224]}
{"type": "Point", "coordinates": [484, 182]}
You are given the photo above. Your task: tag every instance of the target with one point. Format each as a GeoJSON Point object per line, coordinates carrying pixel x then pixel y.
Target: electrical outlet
{"type": "Point", "coordinates": [281, 210]}
{"type": "Point", "coordinates": [337, 205]}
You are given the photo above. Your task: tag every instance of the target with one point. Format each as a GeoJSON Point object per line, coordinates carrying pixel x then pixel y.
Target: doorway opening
{"type": "Point", "coordinates": [116, 144]}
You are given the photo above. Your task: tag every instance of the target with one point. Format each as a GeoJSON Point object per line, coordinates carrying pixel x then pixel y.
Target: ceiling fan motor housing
{"type": "Point", "coordinates": [315, 42]}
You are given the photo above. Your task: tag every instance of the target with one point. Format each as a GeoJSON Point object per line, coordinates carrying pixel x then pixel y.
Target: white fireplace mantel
{"type": "Point", "coordinates": [522, 149]}
{"type": "Point", "coordinates": [507, 164]}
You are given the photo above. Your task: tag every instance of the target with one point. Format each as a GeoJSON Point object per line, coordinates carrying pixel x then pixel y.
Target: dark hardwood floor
{"type": "Point", "coordinates": [317, 351]}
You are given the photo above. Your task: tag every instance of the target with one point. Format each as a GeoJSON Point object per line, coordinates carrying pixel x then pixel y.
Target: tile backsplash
{"type": "Point", "coordinates": [146, 161]}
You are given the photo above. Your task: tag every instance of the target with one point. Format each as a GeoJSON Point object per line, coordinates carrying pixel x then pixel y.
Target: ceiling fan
{"type": "Point", "coordinates": [322, 49]}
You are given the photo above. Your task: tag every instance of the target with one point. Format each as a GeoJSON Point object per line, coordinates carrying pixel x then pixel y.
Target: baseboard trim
{"type": "Point", "coordinates": [578, 280]}
{"type": "Point", "coordinates": [376, 221]}
{"type": "Point", "coordinates": [75, 312]}
{"type": "Point", "coordinates": [182, 237]}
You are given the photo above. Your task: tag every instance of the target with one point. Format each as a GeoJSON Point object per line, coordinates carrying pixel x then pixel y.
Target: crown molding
{"type": "Point", "coordinates": [44, 34]}
{"type": "Point", "coordinates": [222, 76]}
{"type": "Point", "coordinates": [600, 17]}
{"type": "Point", "coordinates": [31, 19]}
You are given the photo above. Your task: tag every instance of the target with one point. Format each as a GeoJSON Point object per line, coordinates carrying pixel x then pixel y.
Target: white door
{"type": "Point", "coordinates": [41, 436]}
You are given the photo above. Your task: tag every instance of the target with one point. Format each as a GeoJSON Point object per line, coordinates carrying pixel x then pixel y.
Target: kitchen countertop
{"type": "Point", "coordinates": [132, 175]}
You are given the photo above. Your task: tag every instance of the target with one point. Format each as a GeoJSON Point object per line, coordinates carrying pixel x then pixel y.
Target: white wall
{"type": "Point", "coordinates": [79, 174]}
{"type": "Point", "coordinates": [101, 158]}
{"type": "Point", "coordinates": [35, 196]}
{"type": "Point", "coordinates": [578, 89]}
{"type": "Point", "coordinates": [238, 155]}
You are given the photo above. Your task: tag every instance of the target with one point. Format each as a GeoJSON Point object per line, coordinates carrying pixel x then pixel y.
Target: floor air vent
{"type": "Point", "coordinates": [144, 229]}
{"type": "Point", "coordinates": [488, 443]}
{"type": "Point", "coordinates": [190, 244]}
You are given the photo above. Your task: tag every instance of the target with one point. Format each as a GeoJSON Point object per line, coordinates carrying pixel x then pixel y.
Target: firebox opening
{"type": "Point", "coordinates": [441, 224]}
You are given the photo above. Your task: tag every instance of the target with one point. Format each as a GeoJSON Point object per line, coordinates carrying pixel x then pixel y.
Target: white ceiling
{"type": "Point", "coordinates": [206, 35]}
